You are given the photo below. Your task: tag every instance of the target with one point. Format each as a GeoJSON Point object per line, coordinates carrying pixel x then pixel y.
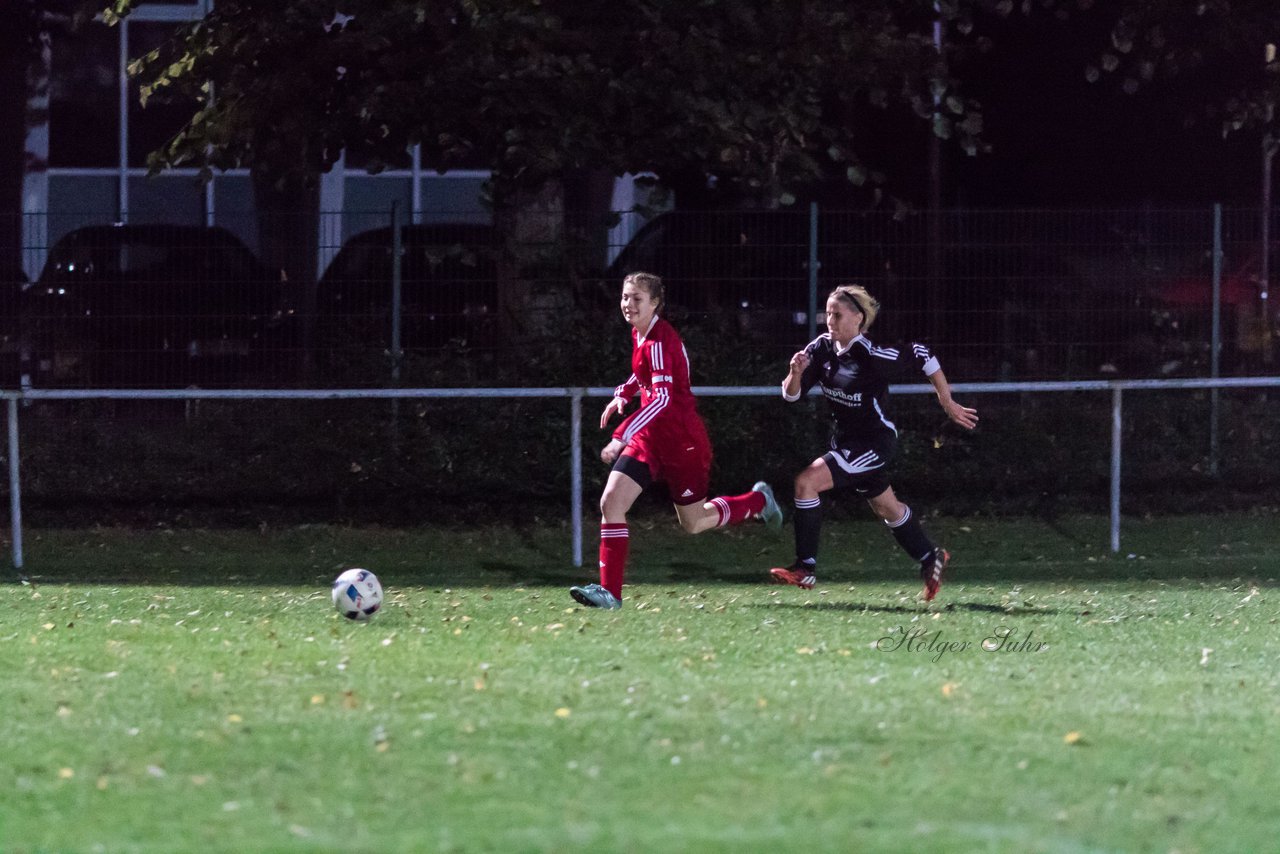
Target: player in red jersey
{"type": "Point", "coordinates": [854, 376]}
{"type": "Point", "coordinates": [664, 440]}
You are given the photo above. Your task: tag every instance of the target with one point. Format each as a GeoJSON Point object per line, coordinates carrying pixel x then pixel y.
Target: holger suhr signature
{"type": "Point", "coordinates": [934, 644]}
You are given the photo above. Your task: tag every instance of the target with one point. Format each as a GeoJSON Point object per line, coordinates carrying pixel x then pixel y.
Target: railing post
{"type": "Point", "coordinates": [1116, 424]}
{"type": "Point", "coordinates": [15, 497]}
{"type": "Point", "coordinates": [575, 473]}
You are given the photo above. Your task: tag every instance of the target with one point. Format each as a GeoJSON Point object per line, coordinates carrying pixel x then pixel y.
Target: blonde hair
{"type": "Point", "coordinates": [860, 300]}
{"type": "Point", "coordinates": [650, 282]}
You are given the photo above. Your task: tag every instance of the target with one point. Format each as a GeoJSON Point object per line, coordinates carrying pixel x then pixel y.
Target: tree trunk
{"type": "Point", "coordinates": [14, 57]}
{"type": "Point", "coordinates": [532, 291]}
{"type": "Point", "coordinates": [288, 238]}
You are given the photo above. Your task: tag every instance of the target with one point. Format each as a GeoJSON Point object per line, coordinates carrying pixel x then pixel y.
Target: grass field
{"type": "Point", "coordinates": [194, 691]}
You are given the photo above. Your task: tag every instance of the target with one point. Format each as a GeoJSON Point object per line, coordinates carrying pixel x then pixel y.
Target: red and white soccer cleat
{"type": "Point", "coordinates": [800, 574]}
{"type": "Point", "coordinates": [931, 572]}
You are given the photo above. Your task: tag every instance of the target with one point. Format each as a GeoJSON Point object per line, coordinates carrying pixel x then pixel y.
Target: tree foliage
{"type": "Point", "coordinates": [766, 94]}
{"type": "Point", "coordinates": [1213, 53]}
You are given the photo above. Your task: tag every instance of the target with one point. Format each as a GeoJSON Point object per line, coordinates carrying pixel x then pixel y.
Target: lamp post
{"type": "Point", "coordinates": [933, 221]}
{"type": "Point", "coordinates": [1269, 145]}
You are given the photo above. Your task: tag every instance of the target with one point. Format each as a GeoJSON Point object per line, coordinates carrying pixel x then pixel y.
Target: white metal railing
{"type": "Point", "coordinates": [576, 395]}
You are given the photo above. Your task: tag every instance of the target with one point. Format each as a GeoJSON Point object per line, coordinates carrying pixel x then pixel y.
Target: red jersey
{"type": "Point", "coordinates": [660, 372]}
{"type": "Point", "coordinates": [665, 433]}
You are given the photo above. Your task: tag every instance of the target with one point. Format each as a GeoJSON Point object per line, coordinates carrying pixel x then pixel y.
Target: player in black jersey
{"type": "Point", "coordinates": [853, 374]}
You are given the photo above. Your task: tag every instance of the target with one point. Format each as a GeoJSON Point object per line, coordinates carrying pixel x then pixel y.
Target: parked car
{"type": "Point", "coordinates": [149, 305]}
{"type": "Point", "coordinates": [1003, 310]}
{"type": "Point", "coordinates": [1185, 305]}
{"type": "Point", "coordinates": [748, 269]}
{"type": "Point", "coordinates": [448, 288]}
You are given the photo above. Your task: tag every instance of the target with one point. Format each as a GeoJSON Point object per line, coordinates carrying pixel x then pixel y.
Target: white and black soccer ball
{"type": "Point", "coordinates": [357, 594]}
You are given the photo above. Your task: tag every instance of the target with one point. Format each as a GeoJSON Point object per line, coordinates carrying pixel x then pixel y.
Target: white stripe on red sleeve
{"type": "Point", "coordinates": [650, 411]}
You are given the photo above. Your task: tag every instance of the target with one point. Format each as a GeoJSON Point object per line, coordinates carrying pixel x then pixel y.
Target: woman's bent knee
{"type": "Point", "coordinates": [611, 505]}
{"type": "Point", "coordinates": [806, 485]}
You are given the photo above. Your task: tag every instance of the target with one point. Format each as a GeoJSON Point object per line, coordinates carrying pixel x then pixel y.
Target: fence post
{"type": "Point", "coordinates": [15, 497]}
{"type": "Point", "coordinates": [1116, 423]}
{"type": "Point", "coordinates": [814, 264]}
{"type": "Point", "coordinates": [396, 248]}
{"type": "Point", "coordinates": [1215, 345]}
{"type": "Point", "coordinates": [575, 472]}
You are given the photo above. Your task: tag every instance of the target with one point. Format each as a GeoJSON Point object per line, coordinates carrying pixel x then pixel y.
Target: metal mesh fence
{"type": "Point", "coordinates": [346, 299]}
{"type": "Point", "coordinates": [258, 458]}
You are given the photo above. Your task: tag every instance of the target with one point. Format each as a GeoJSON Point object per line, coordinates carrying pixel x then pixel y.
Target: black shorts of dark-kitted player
{"type": "Point", "coordinates": [862, 467]}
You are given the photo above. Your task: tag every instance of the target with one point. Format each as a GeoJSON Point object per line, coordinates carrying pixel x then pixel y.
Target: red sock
{"type": "Point", "coordinates": [738, 508]}
{"type": "Point", "coordinates": [614, 540]}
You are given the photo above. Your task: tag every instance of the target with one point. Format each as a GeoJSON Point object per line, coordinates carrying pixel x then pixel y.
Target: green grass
{"type": "Point", "coordinates": [194, 691]}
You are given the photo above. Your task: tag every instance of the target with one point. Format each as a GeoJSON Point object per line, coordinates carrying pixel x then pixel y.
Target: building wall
{"type": "Point", "coordinates": [87, 162]}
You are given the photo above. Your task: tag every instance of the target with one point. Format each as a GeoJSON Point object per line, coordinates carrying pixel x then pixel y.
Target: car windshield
{"type": "Point", "coordinates": [115, 256]}
{"type": "Point", "coordinates": [359, 260]}
{"type": "Point", "coordinates": [109, 259]}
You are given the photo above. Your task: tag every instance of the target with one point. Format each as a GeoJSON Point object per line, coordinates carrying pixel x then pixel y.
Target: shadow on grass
{"type": "Point", "coordinates": [996, 554]}
{"type": "Point", "coordinates": [1188, 569]}
{"type": "Point", "coordinates": [489, 574]}
{"type": "Point", "coordinates": [921, 608]}
{"type": "Point", "coordinates": [498, 573]}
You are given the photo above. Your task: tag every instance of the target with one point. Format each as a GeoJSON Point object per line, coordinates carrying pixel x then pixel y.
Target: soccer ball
{"type": "Point", "coordinates": [357, 594]}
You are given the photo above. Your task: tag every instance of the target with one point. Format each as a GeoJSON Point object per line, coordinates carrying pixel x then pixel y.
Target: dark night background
{"type": "Point", "coordinates": [1058, 140]}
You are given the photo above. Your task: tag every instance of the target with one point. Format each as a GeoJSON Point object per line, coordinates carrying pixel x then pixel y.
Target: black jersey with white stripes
{"type": "Point", "coordinates": [855, 382]}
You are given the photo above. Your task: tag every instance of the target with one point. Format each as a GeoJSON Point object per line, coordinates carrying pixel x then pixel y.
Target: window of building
{"type": "Point", "coordinates": [84, 112]}
{"type": "Point", "coordinates": [151, 127]}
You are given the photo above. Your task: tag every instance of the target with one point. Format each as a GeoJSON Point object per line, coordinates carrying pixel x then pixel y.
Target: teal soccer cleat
{"type": "Point", "coordinates": [595, 596]}
{"type": "Point", "coordinates": [771, 515]}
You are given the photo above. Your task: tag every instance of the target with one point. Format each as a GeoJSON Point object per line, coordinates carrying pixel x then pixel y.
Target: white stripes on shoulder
{"type": "Point", "coordinates": [889, 353]}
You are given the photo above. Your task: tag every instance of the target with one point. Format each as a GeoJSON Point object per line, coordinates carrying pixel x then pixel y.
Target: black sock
{"type": "Point", "coordinates": [808, 522]}
{"type": "Point", "coordinates": [911, 536]}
